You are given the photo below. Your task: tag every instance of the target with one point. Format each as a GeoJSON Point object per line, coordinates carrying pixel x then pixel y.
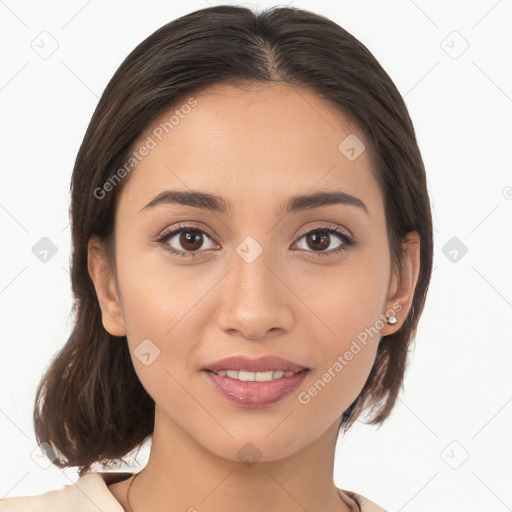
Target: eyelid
{"type": "Point", "coordinates": [348, 241]}
{"type": "Point", "coordinates": [329, 227]}
{"type": "Point", "coordinates": [176, 227]}
{"type": "Point", "coordinates": [343, 234]}
{"type": "Point", "coordinates": [172, 231]}
{"type": "Point", "coordinates": [182, 226]}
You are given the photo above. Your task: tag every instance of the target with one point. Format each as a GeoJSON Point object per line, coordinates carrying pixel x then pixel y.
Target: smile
{"type": "Point", "coordinates": [246, 376]}
{"type": "Point", "coordinates": [254, 389]}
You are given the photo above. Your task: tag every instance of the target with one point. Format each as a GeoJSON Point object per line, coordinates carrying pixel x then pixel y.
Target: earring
{"type": "Point", "coordinates": [391, 320]}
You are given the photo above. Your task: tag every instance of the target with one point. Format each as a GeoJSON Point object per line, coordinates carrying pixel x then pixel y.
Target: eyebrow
{"type": "Point", "coordinates": [216, 203]}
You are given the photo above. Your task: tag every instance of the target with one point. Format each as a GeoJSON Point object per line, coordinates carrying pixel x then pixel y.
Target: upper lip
{"type": "Point", "coordinates": [261, 364]}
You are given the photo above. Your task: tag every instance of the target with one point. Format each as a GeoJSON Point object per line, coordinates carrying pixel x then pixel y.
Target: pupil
{"type": "Point", "coordinates": [319, 238]}
{"type": "Point", "coordinates": [188, 238]}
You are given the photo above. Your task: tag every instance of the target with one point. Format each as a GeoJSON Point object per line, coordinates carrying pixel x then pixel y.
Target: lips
{"type": "Point", "coordinates": [262, 364]}
{"type": "Point", "coordinates": [258, 382]}
{"type": "Point", "coordinates": [254, 394]}
{"type": "Point", "coordinates": [246, 376]}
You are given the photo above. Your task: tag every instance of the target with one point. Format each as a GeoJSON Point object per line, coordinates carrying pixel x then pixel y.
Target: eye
{"type": "Point", "coordinates": [187, 240]}
{"type": "Point", "coordinates": [321, 238]}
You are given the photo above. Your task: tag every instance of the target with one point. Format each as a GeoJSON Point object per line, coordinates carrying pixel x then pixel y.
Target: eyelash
{"type": "Point", "coordinates": [348, 241]}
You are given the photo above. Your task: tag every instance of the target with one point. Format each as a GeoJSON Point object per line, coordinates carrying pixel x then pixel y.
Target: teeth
{"type": "Point", "coordinates": [254, 376]}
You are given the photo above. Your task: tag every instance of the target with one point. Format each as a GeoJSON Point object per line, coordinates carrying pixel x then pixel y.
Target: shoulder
{"type": "Point", "coordinates": [89, 493]}
{"type": "Point", "coordinates": [360, 502]}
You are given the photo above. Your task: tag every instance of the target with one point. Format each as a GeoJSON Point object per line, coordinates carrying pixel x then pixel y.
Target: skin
{"type": "Point", "coordinates": [255, 148]}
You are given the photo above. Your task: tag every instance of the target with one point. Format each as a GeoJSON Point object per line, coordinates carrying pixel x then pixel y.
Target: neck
{"type": "Point", "coordinates": [181, 475]}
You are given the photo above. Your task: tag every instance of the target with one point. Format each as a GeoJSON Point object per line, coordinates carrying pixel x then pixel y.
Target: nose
{"type": "Point", "coordinates": [256, 302]}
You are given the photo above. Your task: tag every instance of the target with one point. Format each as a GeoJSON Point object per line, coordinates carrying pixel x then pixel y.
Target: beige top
{"type": "Point", "coordinates": [91, 494]}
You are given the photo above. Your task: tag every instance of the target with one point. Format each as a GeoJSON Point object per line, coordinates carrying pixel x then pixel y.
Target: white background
{"type": "Point", "coordinates": [457, 399]}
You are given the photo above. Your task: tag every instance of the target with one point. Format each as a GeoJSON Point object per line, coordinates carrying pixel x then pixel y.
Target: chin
{"type": "Point", "coordinates": [257, 445]}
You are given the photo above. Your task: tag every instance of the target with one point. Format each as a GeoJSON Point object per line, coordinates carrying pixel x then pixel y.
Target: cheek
{"type": "Point", "coordinates": [345, 356]}
{"type": "Point", "coordinates": [164, 315]}
{"type": "Point", "coordinates": [160, 335]}
{"type": "Point", "coordinates": [348, 299]}
{"type": "Point", "coordinates": [157, 295]}
{"type": "Point", "coordinates": [350, 307]}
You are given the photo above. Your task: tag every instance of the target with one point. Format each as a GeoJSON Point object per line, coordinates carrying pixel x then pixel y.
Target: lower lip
{"type": "Point", "coordinates": [255, 394]}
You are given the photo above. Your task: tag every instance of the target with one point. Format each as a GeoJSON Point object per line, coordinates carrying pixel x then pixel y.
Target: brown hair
{"type": "Point", "coordinates": [90, 405]}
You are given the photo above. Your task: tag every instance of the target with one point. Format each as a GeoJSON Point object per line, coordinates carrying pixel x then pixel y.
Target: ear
{"type": "Point", "coordinates": [106, 288]}
{"type": "Point", "coordinates": [403, 283]}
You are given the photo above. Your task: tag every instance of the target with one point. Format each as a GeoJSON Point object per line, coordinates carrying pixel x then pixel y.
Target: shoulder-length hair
{"type": "Point", "coordinates": [90, 406]}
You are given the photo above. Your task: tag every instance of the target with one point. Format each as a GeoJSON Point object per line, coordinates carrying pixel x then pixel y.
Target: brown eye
{"type": "Point", "coordinates": [318, 240]}
{"type": "Point", "coordinates": [191, 240]}
{"type": "Point", "coordinates": [186, 241]}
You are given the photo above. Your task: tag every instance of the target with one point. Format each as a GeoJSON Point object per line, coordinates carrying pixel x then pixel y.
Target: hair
{"type": "Point", "coordinates": [90, 406]}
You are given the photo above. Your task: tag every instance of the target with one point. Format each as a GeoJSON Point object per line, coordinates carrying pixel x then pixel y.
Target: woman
{"type": "Point", "coordinates": [252, 247]}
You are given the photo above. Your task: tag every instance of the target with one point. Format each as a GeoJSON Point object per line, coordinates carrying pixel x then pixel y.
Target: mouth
{"type": "Point", "coordinates": [255, 382]}
{"type": "Point", "coordinates": [246, 376]}
{"type": "Point", "coordinates": [246, 365]}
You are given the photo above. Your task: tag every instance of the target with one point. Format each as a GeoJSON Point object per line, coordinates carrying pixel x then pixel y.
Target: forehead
{"type": "Point", "coordinates": [261, 142]}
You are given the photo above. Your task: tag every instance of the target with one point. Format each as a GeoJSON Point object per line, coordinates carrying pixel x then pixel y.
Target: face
{"type": "Point", "coordinates": [310, 285]}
